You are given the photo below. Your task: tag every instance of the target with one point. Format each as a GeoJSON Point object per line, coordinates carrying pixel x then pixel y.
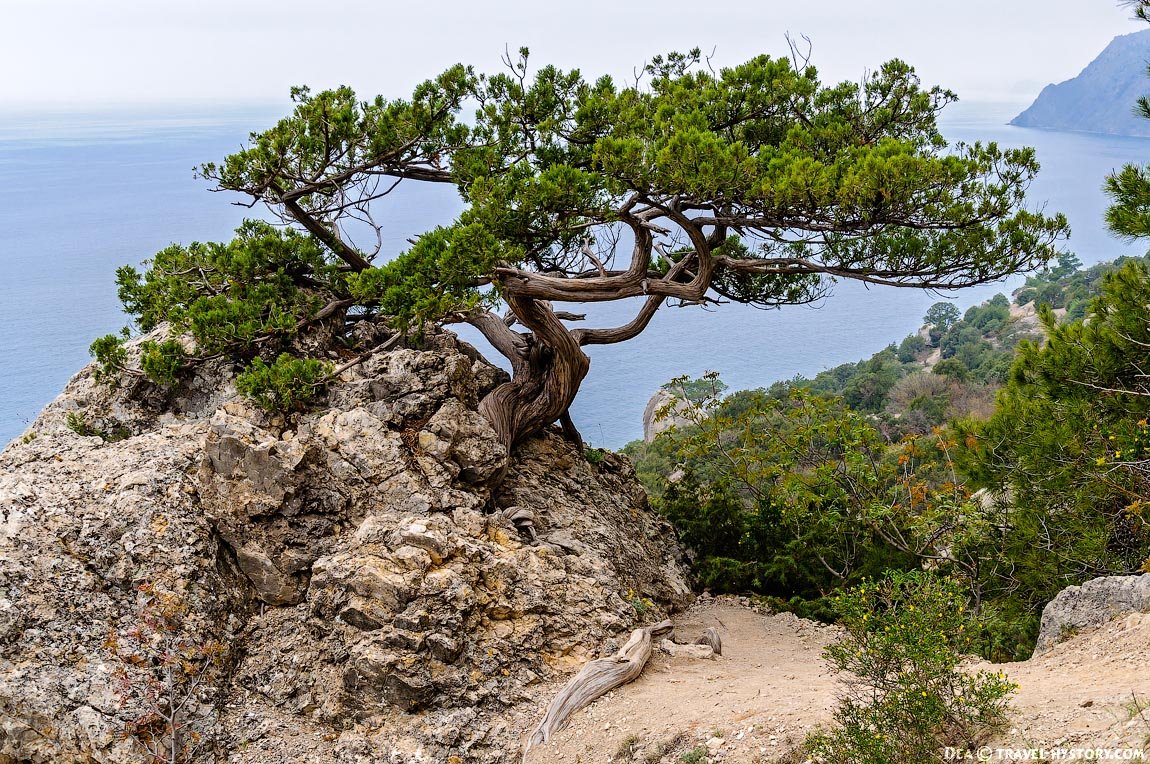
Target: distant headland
{"type": "Point", "coordinates": [1102, 98]}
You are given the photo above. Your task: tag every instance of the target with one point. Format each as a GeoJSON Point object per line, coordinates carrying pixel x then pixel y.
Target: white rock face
{"type": "Point", "coordinates": [675, 416]}
{"type": "Point", "coordinates": [372, 601]}
{"type": "Point", "coordinates": [1092, 604]}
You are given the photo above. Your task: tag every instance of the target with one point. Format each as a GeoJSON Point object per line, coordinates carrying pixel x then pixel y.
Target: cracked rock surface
{"type": "Point", "coordinates": [372, 598]}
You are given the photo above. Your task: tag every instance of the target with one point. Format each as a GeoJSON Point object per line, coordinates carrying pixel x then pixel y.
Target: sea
{"type": "Point", "coordinates": [81, 194]}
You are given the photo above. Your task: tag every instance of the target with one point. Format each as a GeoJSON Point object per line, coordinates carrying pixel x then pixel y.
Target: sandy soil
{"type": "Point", "coordinates": [1090, 691]}
{"type": "Point", "coordinates": [770, 687]}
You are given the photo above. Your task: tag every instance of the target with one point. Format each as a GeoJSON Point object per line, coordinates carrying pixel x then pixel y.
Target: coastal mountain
{"type": "Point", "coordinates": [1102, 98]}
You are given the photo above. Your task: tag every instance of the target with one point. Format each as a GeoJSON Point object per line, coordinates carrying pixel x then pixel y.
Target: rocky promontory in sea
{"type": "Point", "coordinates": [1102, 98]}
{"type": "Point", "coordinates": [347, 585]}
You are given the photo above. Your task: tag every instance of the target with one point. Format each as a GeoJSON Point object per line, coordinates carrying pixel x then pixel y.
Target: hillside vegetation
{"type": "Point", "coordinates": [1006, 447]}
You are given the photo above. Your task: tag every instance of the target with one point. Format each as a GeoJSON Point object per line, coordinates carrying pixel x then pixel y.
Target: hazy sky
{"type": "Point", "coordinates": [87, 53]}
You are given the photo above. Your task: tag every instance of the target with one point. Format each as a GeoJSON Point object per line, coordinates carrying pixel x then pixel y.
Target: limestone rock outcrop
{"type": "Point", "coordinates": [663, 411]}
{"type": "Point", "coordinates": [1092, 604]}
{"type": "Point", "coordinates": [365, 595]}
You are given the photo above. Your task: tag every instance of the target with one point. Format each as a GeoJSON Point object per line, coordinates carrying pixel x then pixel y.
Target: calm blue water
{"type": "Point", "coordinates": [82, 195]}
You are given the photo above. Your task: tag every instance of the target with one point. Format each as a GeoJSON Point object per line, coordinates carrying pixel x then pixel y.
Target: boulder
{"type": "Point", "coordinates": [1094, 603]}
{"type": "Point", "coordinates": [663, 411]}
{"type": "Point", "coordinates": [676, 650]}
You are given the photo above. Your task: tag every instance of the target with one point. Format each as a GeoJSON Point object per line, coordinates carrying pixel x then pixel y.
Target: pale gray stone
{"type": "Point", "coordinates": [353, 563]}
{"type": "Point", "coordinates": [1092, 604]}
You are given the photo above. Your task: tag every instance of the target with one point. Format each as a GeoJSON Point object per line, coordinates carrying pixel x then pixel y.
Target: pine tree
{"type": "Point", "coordinates": [756, 184]}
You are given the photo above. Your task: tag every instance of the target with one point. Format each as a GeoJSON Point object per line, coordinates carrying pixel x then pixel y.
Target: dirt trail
{"type": "Point", "coordinates": [1090, 691]}
{"type": "Point", "coordinates": [771, 686]}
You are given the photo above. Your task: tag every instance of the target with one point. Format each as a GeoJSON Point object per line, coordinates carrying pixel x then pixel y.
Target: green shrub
{"type": "Point", "coordinates": [906, 697]}
{"type": "Point", "coordinates": [776, 494]}
{"type": "Point", "coordinates": [910, 347]}
{"type": "Point", "coordinates": [110, 356]}
{"type": "Point", "coordinates": [77, 422]}
{"type": "Point", "coordinates": [228, 296]}
{"type": "Point", "coordinates": [160, 361]}
{"type": "Point", "coordinates": [594, 456]}
{"type": "Point", "coordinates": [991, 316]}
{"type": "Point", "coordinates": [288, 384]}
{"type": "Point", "coordinates": [694, 756]}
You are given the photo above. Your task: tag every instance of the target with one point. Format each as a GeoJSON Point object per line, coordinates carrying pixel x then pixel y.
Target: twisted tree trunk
{"type": "Point", "coordinates": [548, 363]}
{"type": "Point", "coordinates": [547, 368]}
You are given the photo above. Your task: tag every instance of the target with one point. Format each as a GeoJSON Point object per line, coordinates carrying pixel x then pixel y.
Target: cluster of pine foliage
{"type": "Point", "coordinates": [1018, 464]}
{"type": "Point", "coordinates": [258, 296]}
{"type": "Point", "coordinates": [757, 183]}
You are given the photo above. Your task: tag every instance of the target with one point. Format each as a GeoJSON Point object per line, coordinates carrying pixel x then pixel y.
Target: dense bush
{"type": "Point", "coordinates": [907, 699]}
{"type": "Point", "coordinates": [252, 300]}
{"type": "Point", "coordinates": [921, 401]}
{"type": "Point", "coordinates": [991, 316]}
{"type": "Point", "coordinates": [161, 361]}
{"type": "Point", "coordinates": [231, 296]}
{"type": "Point", "coordinates": [285, 385]}
{"type": "Point", "coordinates": [794, 495]}
{"type": "Point", "coordinates": [910, 348]}
{"type": "Point", "coordinates": [793, 555]}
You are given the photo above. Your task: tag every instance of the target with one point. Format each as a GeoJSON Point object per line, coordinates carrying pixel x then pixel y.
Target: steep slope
{"type": "Point", "coordinates": [345, 586]}
{"type": "Point", "coordinates": [1102, 98]}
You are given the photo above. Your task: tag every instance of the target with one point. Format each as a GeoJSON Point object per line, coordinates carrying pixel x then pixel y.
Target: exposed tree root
{"type": "Point", "coordinates": [595, 679]}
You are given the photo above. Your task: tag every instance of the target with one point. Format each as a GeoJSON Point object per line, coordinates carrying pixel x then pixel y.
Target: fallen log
{"type": "Point", "coordinates": [595, 679]}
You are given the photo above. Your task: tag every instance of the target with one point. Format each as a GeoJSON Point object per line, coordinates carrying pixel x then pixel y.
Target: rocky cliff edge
{"type": "Point", "coordinates": [344, 586]}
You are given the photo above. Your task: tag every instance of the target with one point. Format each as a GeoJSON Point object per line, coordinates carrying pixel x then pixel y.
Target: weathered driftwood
{"type": "Point", "coordinates": [595, 679]}
{"type": "Point", "coordinates": [711, 637]}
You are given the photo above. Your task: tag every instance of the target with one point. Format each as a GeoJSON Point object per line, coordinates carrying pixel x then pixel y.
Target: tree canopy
{"type": "Point", "coordinates": [756, 184]}
{"type": "Point", "coordinates": [1066, 450]}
